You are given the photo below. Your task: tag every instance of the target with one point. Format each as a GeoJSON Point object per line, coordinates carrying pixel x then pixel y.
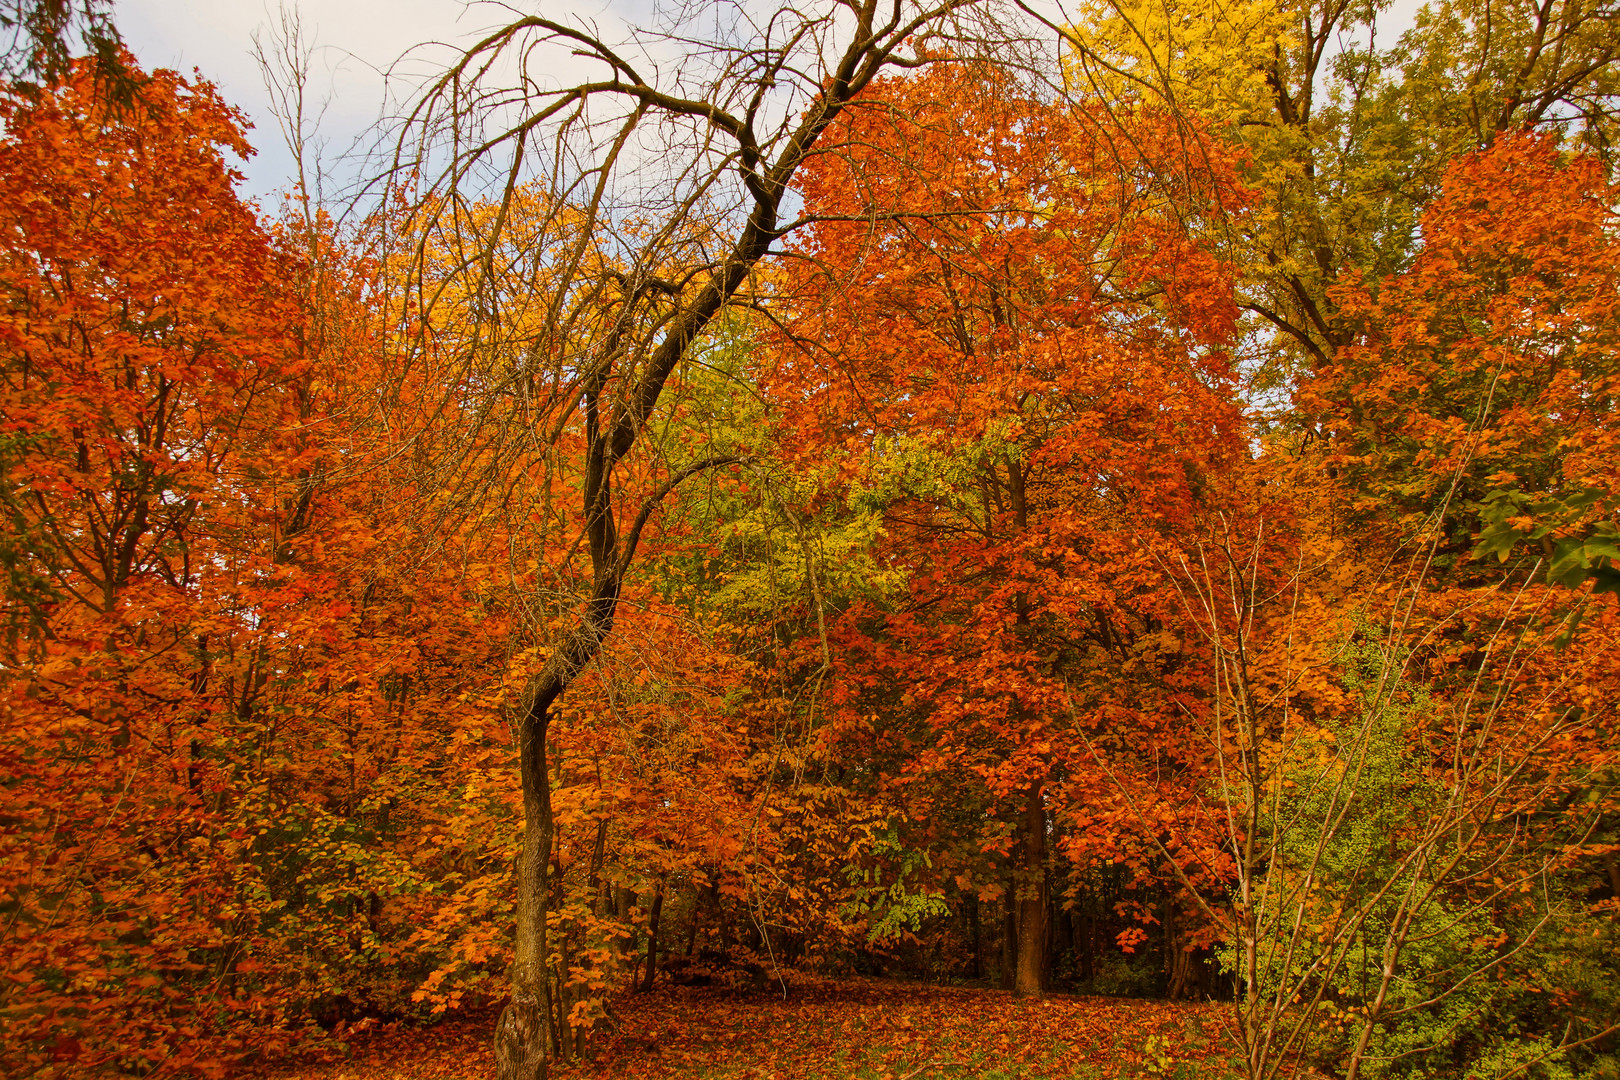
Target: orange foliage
{"type": "Point", "coordinates": [256, 758]}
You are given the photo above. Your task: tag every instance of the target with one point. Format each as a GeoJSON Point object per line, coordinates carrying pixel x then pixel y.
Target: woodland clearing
{"type": "Point", "coordinates": [863, 1028]}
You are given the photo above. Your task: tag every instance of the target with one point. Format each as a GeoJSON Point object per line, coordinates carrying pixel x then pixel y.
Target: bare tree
{"type": "Point", "coordinates": [285, 55]}
{"type": "Point", "coordinates": [570, 246]}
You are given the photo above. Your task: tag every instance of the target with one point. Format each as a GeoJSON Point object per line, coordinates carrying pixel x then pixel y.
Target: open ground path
{"type": "Point", "coordinates": [866, 1029]}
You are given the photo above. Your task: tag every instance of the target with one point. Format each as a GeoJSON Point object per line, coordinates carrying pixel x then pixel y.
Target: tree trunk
{"type": "Point", "coordinates": [1009, 934]}
{"type": "Point", "coordinates": [1175, 959]}
{"type": "Point", "coordinates": [975, 934]}
{"type": "Point", "coordinates": [523, 1033]}
{"type": "Point", "coordinates": [722, 928]}
{"type": "Point", "coordinates": [692, 929]}
{"type": "Point", "coordinates": [598, 900]}
{"type": "Point", "coordinates": [703, 899]}
{"type": "Point", "coordinates": [1084, 948]}
{"type": "Point", "coordinates": [1051, 950]}
{"type": "Point", "coordinates": [652, 937]}
{"type": "Point", "coordinates": [1032, 899]}
{"type": "Point", "coordinates": [1063, 922]}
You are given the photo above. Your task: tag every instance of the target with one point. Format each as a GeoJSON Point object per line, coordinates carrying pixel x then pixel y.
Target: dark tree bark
{"type": "Point", "coordinates": [975, 933]}
{"type": "Point", "coordinates": [598, 854]}
{"type": "Point", "coordinates": [523, 1032]}
{"type": "Point", "coordinates": [1063, 934]}
{"type": "Point", "coordinates": [1031, 979]}
{"type": "Point", "coordinates": [1050, 951]}
{"type": "Point", "coordinates": [1009, 934]}
{"type": "Point", "coordinates": [703, 899]}
{"type": "Point", "coordinates": [652, 937]}
{"type": "Point", "coordinates": [1084, 962]}
{"type": "Point", "coordinates": [722, 928]}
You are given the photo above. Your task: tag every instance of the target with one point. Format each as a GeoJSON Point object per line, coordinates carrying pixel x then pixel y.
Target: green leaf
{"type": "Point", "coordinates": [1583, 499]}
{"type": "Point", "coordinates": [1605, 579]}
{"type": "Point", "coordinates": [1498, 539]}
{"type": "Point", "coordinates": [1571, 625]}
{"type": "Point", "coordinates": [1569, 563]}
{"type": "Point", "coordinates": [1602, 547]}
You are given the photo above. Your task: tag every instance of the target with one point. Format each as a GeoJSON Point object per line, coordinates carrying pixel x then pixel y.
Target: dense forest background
{"type": "Point", "coordinates": [1120, 504]}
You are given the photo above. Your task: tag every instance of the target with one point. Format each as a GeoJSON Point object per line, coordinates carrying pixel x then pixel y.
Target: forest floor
{"type": "Point", "coordinates": [866, 1029]}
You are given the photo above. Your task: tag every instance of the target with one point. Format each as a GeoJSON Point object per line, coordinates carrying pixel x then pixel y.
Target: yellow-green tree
{"type": "Point", "coordinates": [1347, 132]}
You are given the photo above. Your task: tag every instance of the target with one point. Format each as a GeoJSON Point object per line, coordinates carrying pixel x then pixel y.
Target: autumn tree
{"type": "Point", "coordinates": [219, 695]}
{"type": "Point", "coordinates": [1348, 131]}
{"type": "Point", "coordinates": [883, 487]}
{"type": "Point", "coordinates": [621, 291]}
{"type": "Point", "coordinates": [145, 358]}
{"type": "Point", "coordinates": [1449, 667]}
{"type": "Point", "coordinates": [1483, 378]}
{"type": "Point", "coordinates": [1030, 375]}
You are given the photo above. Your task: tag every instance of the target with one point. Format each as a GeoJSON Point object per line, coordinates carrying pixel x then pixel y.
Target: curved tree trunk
{"type": "Point", "coordinates": [523, 1033]}
{"type": "Point", "coordinates": [632, 354]}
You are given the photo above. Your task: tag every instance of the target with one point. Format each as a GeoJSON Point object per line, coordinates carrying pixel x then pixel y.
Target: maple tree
{"type": "Point", "coordinates": [139, 365]}
{"type": "Point", "coordinates": [1447, 689]}
{"type": "Point", "coordinates": [207, 669]}
{"type": "Point", "coordinates": [620, 306]}
{"type": "Point", "coordinates": [988, 337]}
{"type": "Point", "coordinates": [1502, 403]}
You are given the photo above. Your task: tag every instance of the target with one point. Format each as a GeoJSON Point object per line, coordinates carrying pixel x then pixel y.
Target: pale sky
{"type": "Point", "coordinates": [357, 42]}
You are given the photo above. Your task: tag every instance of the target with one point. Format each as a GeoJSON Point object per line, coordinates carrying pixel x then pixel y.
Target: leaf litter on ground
{"type": "Point", "coordinates": [867, 1029]}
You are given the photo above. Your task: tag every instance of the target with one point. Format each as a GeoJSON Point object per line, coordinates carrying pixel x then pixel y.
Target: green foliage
{"type": "Point", "coordinates": [881, 896]}
{"type": "Point", "coordinates": [1361, 886]}
{"type": "Point", "coordinates": [771, 544]}
{"type": "Point", "coordinates": [1578, 550]}
{"type": "Point", "coordinates": [929, 469]}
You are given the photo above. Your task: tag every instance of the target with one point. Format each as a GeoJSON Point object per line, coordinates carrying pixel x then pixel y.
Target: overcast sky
{"type": "Point", "coordinates": [357, 41]}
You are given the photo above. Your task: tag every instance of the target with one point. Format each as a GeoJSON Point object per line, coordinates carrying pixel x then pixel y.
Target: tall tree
{"type": "Point", "coordinates": [1368, 656]}
{"type": "Point", "coordinates": [622, 287]}
{"type": "Point", "coordinates": [146, 358]}
{"type": "Point", "coordinates": [218, 691]}
{"type": "Point", "coordinates": [1032, 377]}
{"type": "Point", "coordinates": [1483, 379]}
